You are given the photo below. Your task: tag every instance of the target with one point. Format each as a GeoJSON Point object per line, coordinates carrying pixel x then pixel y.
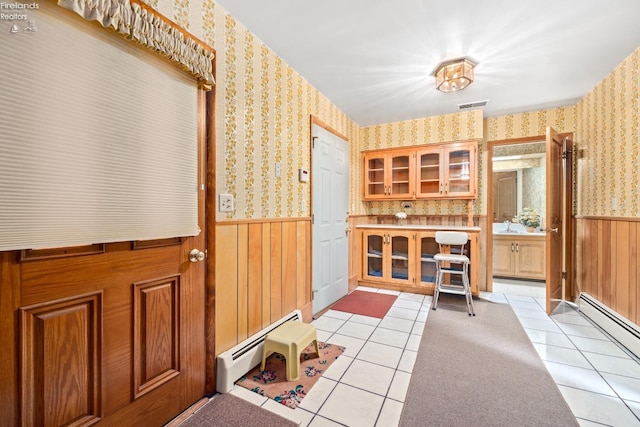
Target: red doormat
{"type": "Point", "coordinates": [366, 303]}
{"type": "Point", "coordinates": [272, 382]}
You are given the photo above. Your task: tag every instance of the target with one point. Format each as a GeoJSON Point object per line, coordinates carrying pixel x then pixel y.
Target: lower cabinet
{"type": "Point", "coordinates": [403, 260]}
{"type": "Point", "coordinates": [520, 256]}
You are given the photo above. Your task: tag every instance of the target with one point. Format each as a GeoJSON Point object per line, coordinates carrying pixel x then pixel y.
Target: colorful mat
{"type": "Point", "coordinates": [272, 382]}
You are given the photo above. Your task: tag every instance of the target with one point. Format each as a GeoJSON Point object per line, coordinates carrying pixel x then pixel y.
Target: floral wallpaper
{"type": "Point", "coordinates": [429, 130]}
{"type": "Point", "coordinates": [608, 144]}
{"type": "Point", "coordinates": [263, 110]}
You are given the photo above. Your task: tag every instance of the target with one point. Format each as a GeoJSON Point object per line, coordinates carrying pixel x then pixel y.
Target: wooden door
{"type": "Point", "coordinates": [554, 220]}
{"type": "Point", "coordinates": [105, 334]}
{"type": "Point", "coordinates": [505, 200]}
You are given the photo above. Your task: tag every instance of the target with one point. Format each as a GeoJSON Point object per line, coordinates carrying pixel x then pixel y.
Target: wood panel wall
{"type": "Point", "coordinates": [262, 273]}
{"type": "Point", "coordinates": [607, 259]}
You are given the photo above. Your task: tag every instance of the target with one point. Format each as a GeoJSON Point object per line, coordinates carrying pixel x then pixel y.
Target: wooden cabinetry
{"type": "Point", "coordinates": [422, 172]}
{"type": "Point", "coordinates": [401, 258]}
{"type": "Point", "coordinates": [520, 256]}
{"type": "Point", "coordinates": [448, 171]}
{"type": "Point", "coordinates": [389, 174]}
{"type": "Point", "coordinates": [389, 256]}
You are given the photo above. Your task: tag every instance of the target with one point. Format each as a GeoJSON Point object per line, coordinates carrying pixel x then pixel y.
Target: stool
{"type": "Point", "coordinates": [289, 339]}
{"type": "Point", "coordinates": [456, 240]}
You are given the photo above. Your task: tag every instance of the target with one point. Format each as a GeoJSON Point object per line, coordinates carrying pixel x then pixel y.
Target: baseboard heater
{"type": "Point", "coordinates": [237, 361]}
{"type": "Point", "coordinates": [624, 331]}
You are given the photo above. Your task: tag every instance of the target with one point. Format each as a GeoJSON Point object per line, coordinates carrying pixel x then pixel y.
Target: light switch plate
{"type": "Point", "coordinates": [225, 202]}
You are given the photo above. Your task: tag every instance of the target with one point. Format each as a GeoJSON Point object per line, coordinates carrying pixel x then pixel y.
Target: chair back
{"type": "Point", "coordinates": [451, 238]}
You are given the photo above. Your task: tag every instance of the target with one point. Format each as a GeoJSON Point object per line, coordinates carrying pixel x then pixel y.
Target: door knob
{"type": "Point", "coordinates": [196, 255]}
{"type": "Point", "coordinates": [551, 230]}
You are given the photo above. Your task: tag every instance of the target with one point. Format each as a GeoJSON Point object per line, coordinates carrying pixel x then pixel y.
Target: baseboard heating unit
{"type": "Point", "coordinates": [624, 331]}
{"type": "Point", "coordinates": [237, 361]}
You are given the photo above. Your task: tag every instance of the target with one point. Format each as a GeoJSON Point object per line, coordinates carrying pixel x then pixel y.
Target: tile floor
{"type": "Point", "coordinates": [598, 379]}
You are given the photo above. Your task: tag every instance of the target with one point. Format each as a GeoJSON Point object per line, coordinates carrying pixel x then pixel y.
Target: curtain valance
{"type": "Point", "coordinates": [149, 29]}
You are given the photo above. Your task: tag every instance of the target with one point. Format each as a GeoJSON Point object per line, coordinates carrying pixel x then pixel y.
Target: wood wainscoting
{"type": "Point", "coordinates": [262, 272]}
{"type": "Point", "coordinates": [607, 257]}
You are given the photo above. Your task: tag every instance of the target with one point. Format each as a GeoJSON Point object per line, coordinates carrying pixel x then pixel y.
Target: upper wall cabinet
{"type": "Point", "coordinates": [389, 174]}
{"type": "Point", "coordinates": [433, 171]}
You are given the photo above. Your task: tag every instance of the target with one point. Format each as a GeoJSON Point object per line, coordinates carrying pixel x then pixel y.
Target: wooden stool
{"type": "Point", "coordinates": [289, 339]}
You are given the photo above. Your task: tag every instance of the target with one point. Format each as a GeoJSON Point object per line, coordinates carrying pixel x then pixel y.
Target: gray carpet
{"type": "Point", "coordinates": [226, 410]}
{"type": "Point", "coordinates": [480, 371]}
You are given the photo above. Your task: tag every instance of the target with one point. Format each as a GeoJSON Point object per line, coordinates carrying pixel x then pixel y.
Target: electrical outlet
{"type": "Point", "coordinates": [278, 169]}
{"type": "Point", "coordinates": [225, 203]}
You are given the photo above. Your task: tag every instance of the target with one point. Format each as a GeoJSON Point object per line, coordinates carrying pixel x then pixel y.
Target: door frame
{"type": "Point", "coordinates": [313, 120]}
{"type": "Point", "coordinates": [568, 203]}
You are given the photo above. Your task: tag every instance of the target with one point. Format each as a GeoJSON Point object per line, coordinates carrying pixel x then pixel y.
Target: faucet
{"type": "Point", "coordinates": [508, 230]}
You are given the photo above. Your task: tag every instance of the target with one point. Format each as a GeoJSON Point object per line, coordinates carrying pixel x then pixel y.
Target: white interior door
{"type": "Point", "coordinates": [330, 201]}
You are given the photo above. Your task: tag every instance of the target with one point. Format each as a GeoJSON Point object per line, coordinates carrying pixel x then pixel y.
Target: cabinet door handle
{"type": "Point", "coordinates": [446, 187]}
{"type": "Point", "coordinates": [440, 188]}
{"type": "Point", "coordinates": [517, 247]}
{"type": "Point", "coordinates": [511, 246]}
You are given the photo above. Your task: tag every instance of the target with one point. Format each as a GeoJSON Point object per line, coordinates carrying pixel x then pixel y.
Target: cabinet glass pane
{"type": "Point", "coordinates": [375, 169]}
{"type": "Point", "coordinates": [374, 256]}
{"type": "Point", "coordinates": [428, 248]}
{"type": "Point", "coordinates": [429, 173]}
{"type": "Point", "coordinates": [459, 179]}
{"type": "Point", "coordinates": [400, 175]}
{"type": "Point", "coordinates": [400, 257]}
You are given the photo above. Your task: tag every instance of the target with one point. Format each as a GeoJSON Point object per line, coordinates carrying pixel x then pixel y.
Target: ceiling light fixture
{"type": "Point", "coordinates": [454, 75]}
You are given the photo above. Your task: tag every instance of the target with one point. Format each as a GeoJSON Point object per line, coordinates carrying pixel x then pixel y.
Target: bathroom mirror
{"type": "Point", "coordinates": [519, 180]}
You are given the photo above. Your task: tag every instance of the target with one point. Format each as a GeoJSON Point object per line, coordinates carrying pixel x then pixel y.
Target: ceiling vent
{"type": "Point", "coordinates": [476, 104]}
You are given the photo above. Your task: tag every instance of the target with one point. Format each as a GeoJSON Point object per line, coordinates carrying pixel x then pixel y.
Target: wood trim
{"type": "Point", "coordinates": [537, 138]}
{"type": "Point", "coordinates": [145, 244]}
{"type": "Point", "coordinates": [323, 125]}
{"type": "Point", "coordinates": [261, 220]}
{"type": "Point", "coordinates": [208, 128]}
{"type": "Point", "coordinates": [420, 146]}
{"type": "Point", "coordinates": [607, 218]}
{"type": "Point", "coordinates": [263, 273]}
{"type": "Point", "coordinates": [54, 253]}
{"type": "Point", "coordinates": [9, 304]}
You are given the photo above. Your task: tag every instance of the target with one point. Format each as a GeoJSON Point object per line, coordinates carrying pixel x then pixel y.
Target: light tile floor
{"type": "Point", "coordinates": [599, 380]}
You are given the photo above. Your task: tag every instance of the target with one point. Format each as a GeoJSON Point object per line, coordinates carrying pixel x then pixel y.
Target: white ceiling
{"type": "Point", "coordinates": [374, 59]}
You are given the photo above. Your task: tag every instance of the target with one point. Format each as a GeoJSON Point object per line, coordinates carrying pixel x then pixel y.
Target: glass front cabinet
{"type": "Point", "coordinates": [447, 171]}
{"type": "Point", "coordinates": [388, 256]}
{"type": "Point", "coordinates": [403, 259]}
{"type": "Point", "coordinates": [422, 172]}
{"type": "Point", "coordinates": [388, 175]}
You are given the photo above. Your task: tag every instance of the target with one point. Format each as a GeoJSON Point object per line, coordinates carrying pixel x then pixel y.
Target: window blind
{"type": "Point", "coordinates": [98, 138]}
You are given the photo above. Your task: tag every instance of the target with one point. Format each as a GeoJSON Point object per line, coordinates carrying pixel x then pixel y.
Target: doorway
{"type": "Point", "coordinates": [330, 201]}
{"type": "Point", "coordinates": [518, 182]}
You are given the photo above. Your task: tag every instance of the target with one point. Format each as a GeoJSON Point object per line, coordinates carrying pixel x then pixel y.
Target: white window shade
{"type": "Point", "coordinates": [98, 138]}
